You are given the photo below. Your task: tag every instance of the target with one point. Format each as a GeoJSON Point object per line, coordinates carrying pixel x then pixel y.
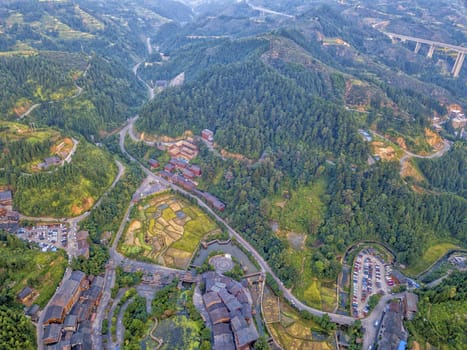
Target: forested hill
{"type": "Point", "coordinates": [252, 107]}
{"type": "Point", "coordinates": [35, 79]}
{"type": "Point", "coordinates": [449, 172]}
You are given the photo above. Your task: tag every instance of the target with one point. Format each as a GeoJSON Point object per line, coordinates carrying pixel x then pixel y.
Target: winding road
{"type": "Point", "coordinates": [78, 93]}
{"type": "Point", "coordinates": [407, 154]}
{"type": "Point", "coordinates": [25, 114]}
{"type": "Point", "coordinates": [340, 319]}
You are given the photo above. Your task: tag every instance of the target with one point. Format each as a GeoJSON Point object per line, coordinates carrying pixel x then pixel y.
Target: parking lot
{"type": "Point", "coordinates": [370, 275]}
{"type": "Point", "coordinates": [49, 237]}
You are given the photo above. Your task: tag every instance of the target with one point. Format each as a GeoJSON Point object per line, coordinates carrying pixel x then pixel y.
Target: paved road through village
{"type": "Point", "coordinates": [341, 319]}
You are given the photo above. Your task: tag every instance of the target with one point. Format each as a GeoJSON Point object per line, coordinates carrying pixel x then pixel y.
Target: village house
{"type": "Point", "coordinates": [223, 339]}
{"type": "Point", "coordinates": [50, 161]}
{"type": "Point", "coordinates": [25, 294]}
{"type": "Point", "coordinates": [393, 334]}
{"type": "Point", "coordinates": [410, 305]}
{"type": "Point", "coordinates": [459, 122]}
{"type": "Point", "coordinates": [196, 170]}
{"type": "Point", "coordinates": [184, 183]}
{"type": "Point", "coordinates": [64, 300]}
{"type": "Point", "coordinates": [169, 167]}
{"type": "Point", "coordinates": [166, 175]}
{"type": "Point", "coordinates": [71, 323]}
{"type": "Point", "coordinates": [82, 243]}
{"type": "Point", "coordinates": [52, 334]}
{"type": "Point", "coordinates": [188, 174]}
{"type": "Point", "coordinates": [33, 312]}
{"type": "Point", "coordinates": [207, 135]}
{"type": "Point", "coordinates": [214, 201]}
{"type": "Point", "coordinates": [179, 164]}
{"type": "Point", "coordinates": [6, 199]}
{"type": "Point", "coordinates": [153, 163]}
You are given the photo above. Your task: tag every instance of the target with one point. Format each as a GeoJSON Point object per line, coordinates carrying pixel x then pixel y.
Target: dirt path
{"type": "Point", "coordinates": [25, 114]}
{"type": "Point", "coordinates": [153, 337]}
{"type": "Point", "coordinates": [408, 154]}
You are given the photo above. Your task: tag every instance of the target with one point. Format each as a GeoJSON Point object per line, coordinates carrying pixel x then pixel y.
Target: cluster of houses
{"type": "Point", "coordinates": [228, 304]}
{"type": "Point", "coordinates": [392, 334]}
{"type": "Point", "coordinates": [179, 170]}
{"type": "Point", "coordinates": [68, 318]}
{"type": "Point", "coordinates": [183, 149]}
{"type": "Point", "coordinates": [8, 217]}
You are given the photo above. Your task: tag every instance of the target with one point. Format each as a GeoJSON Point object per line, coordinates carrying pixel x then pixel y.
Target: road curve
{"type": "Point", "coordinates": [437, 154]}
{"type": "Point", "coordinates": [25, 114]}
{"type": "Point", "coordinates": [341, 319]}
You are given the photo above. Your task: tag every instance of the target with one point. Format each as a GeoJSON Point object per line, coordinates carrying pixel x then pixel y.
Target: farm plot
{"type": "Point", "coordinates": [290, 330]}
{"type": "Point", "coordinates": [166, 230]}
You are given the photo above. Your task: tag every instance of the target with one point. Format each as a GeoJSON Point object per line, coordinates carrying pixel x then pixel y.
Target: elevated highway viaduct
{"type": "Point", "coordinates": [461, 50]}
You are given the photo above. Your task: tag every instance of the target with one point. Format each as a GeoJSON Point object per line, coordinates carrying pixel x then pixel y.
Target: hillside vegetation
{"type": "Point", "coordinates": [69, 190]}
{"type": "Point", "coordinates": [440, 320]}
{"type": "Point", "coordinates": [21, 266]}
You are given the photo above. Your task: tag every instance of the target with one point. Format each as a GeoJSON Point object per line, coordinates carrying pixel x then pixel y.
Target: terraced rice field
{"type": "Point", "coordinates": [166, 230]}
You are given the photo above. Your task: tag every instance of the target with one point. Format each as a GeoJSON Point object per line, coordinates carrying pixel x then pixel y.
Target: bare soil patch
{"type": "Point", "coordinates": [296, 240]}
{"type": "Point", "coordinates": [383, 151]}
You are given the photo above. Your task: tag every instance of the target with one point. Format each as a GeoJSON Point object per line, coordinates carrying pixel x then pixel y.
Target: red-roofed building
{"type": "Point", "coordinates": [153, 163]}
{"type": "Point", "coordinates": [188, 174]}
{"type": "Point", "coordinates": [195, 170]}
{"type": "Point", "coordinates": [169, 168]}
{"type": "Point", "coordinates": [207, 135]}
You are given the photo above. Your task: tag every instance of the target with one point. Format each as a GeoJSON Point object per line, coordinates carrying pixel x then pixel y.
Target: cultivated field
{"type": "Point", "coordinates": [288, 329]}
{"type": "Point", "coordinates": [432, 254]}
{"type": "Point", "coordinates": [166, 229]}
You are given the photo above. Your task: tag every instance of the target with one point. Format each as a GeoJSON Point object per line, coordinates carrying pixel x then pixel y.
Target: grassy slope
{"type": "Point", "coordinates": [74, 197]}
{"type": "Point", "coordinates": [301, 213]}
{"type": "Point", "coordinates": [304, 208]}
{"type": "Point", "coordinates": [432, 254]}
{"type": "Point", "coordinates": [45, 270]}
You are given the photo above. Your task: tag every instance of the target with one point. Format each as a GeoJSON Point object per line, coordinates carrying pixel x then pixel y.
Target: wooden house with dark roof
{"type": "Point", "coordinates": [188, 174]}
{"type": "Point", "coordinates": [245, 337]}
{"type": "Point", "coordinates": [33, 312]}
{"type": "Point", "coordinates": [71, 323]}
{"type": "Point", "coordinates": [219, 315]}
{"type": "Point", "coordinates": [25, 294]}
{"type": "Point", "coordinates": [178, 163]}
{"type": "Point", "coordinates": [50, 161]}
{"type": "Point", "coordinates": [229, 300]}
{"type": "Point", "coordinates": [54, 314]}
{"type": "Point", "coordinates": [210, 299]}
{"type": "Point", "coordinates": [52, 334]}
{"type": "Point", "coordinates": [234, 288]}
{"type": "Point", "coordinates": [223, 342]}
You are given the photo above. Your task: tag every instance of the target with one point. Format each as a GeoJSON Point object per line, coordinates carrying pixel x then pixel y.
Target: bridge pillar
{"type": "Point", "coordinates": [431, 51]}
{"type": "Point", "coordinates": [458, 64]}
{"type": "Point", "coordinates": [417, 47]}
